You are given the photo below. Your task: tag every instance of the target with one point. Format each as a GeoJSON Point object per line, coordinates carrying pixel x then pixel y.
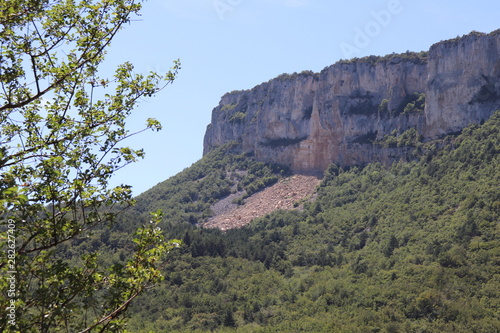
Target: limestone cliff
{"type": "Point", "coordinates": [309, 120]}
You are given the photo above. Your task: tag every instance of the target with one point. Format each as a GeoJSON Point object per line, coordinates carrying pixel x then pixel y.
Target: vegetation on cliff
{"type": "Point", "coordinates": [415, 57]}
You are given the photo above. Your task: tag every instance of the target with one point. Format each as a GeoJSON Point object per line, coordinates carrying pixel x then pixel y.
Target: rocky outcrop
{"type": "Point", "coordinates": [309, 120]}
{"type": "Point", "coordinates": [464, 83]}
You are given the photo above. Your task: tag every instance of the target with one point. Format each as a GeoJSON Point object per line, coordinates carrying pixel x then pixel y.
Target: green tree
{"type": "Point", "coordinates": [61, 132]}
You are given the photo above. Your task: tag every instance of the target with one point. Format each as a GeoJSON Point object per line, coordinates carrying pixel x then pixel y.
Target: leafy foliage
{"type": "Point", "coordinates": [238, 117]}
{"type": "Point", "coordinates": [61, 131]}
{"type": "Point", "coordinates": [409, 138]}
{"type": "Point", "coordinates": [414, 103]}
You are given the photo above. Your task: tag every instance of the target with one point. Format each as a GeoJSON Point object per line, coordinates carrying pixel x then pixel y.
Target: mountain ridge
{"type": "Point", "coordinates": [308, 120]}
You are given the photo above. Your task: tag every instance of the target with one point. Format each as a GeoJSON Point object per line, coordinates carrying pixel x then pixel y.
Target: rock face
{"type": "Point", "coordinates": [309, 120]}
{"type": "Point", "coordinates": [464, 83]}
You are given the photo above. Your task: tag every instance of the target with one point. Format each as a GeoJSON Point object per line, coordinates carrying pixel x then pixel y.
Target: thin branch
{"type": "Point", "coordinates": [67, 138]}
{"type": "Point", "coordinates": [47, 49]}
{"type": "Point", "coordinates": [60, 241]}
{"type": "Point", "coordinates": [115, 313]}
{"type": "Point", "coordinates": [81, 62]}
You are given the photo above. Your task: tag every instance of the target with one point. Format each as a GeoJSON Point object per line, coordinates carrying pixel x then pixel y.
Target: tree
{"type": "Point", "coordinates": [61, 133]}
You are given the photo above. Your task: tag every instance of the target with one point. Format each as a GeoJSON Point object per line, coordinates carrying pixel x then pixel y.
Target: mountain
{"type": "Point", "coordinates": [372, 246]}
{"type": "Point", "coordinates": [410, 248]}
{"type": "Point", "coordinates": [343, 114]}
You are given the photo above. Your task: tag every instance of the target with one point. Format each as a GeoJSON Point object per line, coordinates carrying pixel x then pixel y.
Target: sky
{"type": "Point", "coordinates": [227, 45]}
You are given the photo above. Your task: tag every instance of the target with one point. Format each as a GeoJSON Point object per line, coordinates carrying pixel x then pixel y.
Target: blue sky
{"type": "Point", "coordinates": [227, 45]}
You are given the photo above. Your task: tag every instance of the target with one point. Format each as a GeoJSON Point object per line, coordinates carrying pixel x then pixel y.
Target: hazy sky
{"type": "Point", "coordinates": [227, 45]}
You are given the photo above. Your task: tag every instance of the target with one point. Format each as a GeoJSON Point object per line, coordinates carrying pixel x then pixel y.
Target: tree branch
{"type": "Point", "coordinates": [115, 313]}
{"type": "Point", "coordinates": [82, 61]}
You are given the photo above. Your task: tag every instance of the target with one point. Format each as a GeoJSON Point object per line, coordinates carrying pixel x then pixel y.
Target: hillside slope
{"type": "Point", "coordinates": [413, 248]}
{"type": "Point", "coordinates": [287, 194]}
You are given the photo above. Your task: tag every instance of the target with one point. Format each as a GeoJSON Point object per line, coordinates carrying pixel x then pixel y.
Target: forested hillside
{"type": "Point", "coordinates": [264, 233]}
{"type": "Point", "coordinates": [413, 248]}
